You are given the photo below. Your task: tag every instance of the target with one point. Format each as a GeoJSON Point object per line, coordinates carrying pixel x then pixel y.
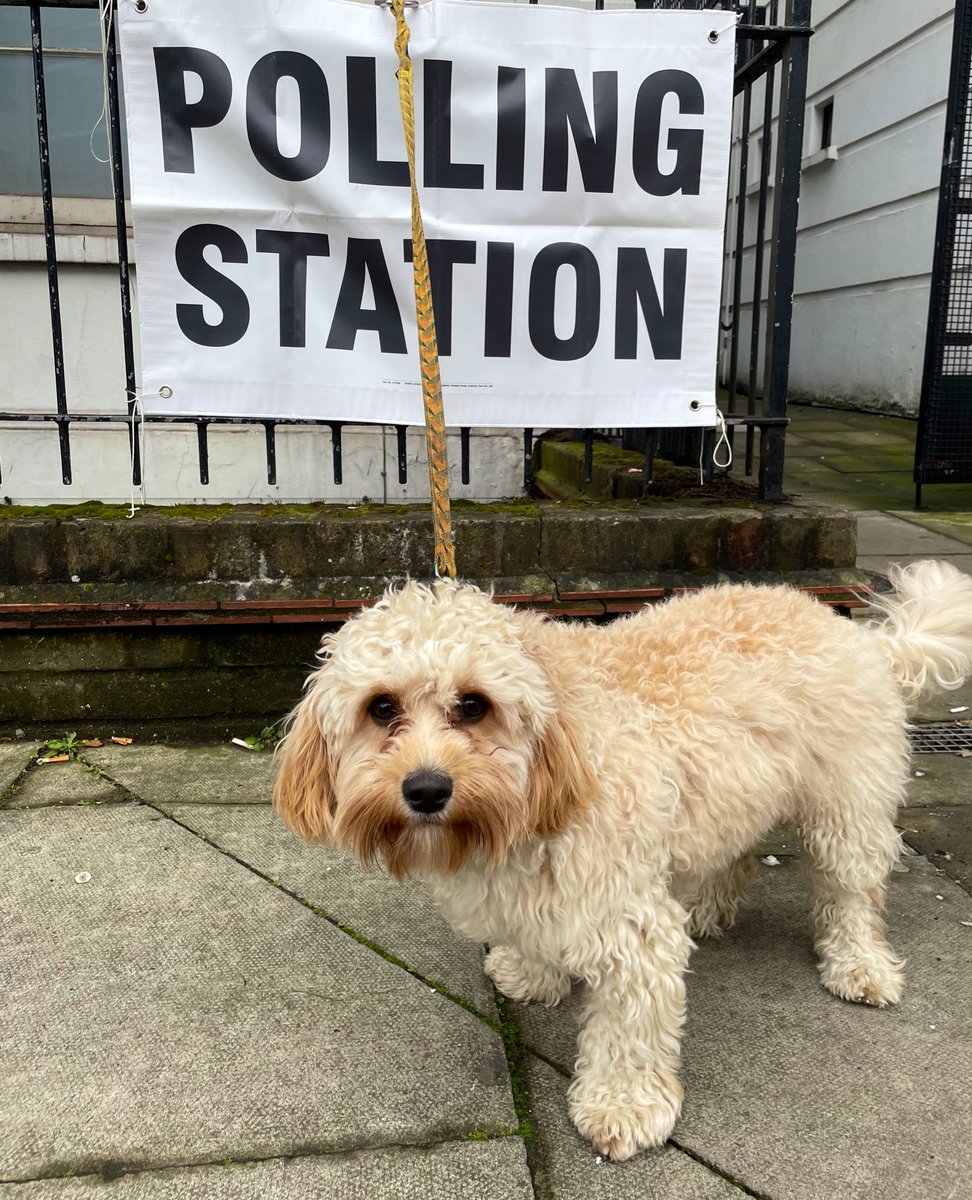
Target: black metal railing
{"type": "Point", "coordinates": [771, 54]}
{"type": "Point", "coordinates": [761, 217]}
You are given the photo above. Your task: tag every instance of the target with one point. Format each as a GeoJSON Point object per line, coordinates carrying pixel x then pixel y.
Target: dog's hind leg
{"type": "Point", "coordinates": [713, 901]}
{"type": "Point", "coordinates": [521, 979]}
{"type": "Point", "coordinates": [851, 845]}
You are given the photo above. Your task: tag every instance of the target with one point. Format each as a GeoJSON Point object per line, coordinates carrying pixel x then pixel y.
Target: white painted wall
{"type": "Point", "coordinates": [867, 217]}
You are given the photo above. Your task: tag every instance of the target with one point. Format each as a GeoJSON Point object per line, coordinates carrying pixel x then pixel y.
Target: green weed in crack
{"type": "Point", "coordinates": [515, 1063]}
{"type": "Point", "coordinates": [266, 739]}
{"type": "Point", "coordinates": [70, 745]}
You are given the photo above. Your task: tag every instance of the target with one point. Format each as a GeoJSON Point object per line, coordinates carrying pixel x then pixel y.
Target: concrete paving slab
{"type": "Point", "coordinates": [399, 917]}
{"type": "Point", "coordinates": [957, 525]}
{"type": "Point", "coordinates": [189, 774]}
{"type": "Point", "coordinates": [175, 1009]}
{"type": "Point", "coordinates": [812, 416]}
{"type": "Point", "coordinates": [879, 533]}
{"type": "Point", "coordinates": [945, 779]}
{"type": "Point", "coordinates": [879, 563]}
{"type": "Point", "coordinates": [822, 1098]}
{"type": "Point", "coordinates": [944, 836]}
{"type": "Point", "coordinates": [808, 477]}
{"type": "Point", "coordinates": [13, 759]}
{"type": "Point", "coordinates": [822, 440]}
{"type": "Point", "coordinates": [565, 1166]}
{"type": "Point", "coordinates": [797, 1094]}
{"type": "Point", "coordinates": [63, 783]}
{"type": "Point", "coordinates": [892, 458]}
{"type": "Point", "coordinates": [860, 461]}
{"type": "Point", "coordinates": [944, 498]}
{"type": "Point", "coordinates": [492, 1170]}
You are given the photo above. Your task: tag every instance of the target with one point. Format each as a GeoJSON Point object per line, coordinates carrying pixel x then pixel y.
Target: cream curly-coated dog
{"type": "Point", "coordinates": [583, 797]}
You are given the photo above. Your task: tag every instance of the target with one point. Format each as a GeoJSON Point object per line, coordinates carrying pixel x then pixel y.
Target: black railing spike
{"type": "Point", "coordinates": [464, 454]}
{"type": "Point", "coordinates": [271, 435]}
{"type": "Point", "coordinates": [202, 445]}
{"type": "Point", "coordinates": [651, 449]}
{"type": "Point", "coordinates": [401, 441]}
{"type": "Point", "coordinates": [337, 462]}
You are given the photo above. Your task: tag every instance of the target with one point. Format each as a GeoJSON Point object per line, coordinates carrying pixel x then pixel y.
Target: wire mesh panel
{"type": "Point", "coordinates": [943, 452]}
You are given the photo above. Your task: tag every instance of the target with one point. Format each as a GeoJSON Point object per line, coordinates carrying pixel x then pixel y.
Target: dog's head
{"type": "Point", "coordinates": [430, 734]}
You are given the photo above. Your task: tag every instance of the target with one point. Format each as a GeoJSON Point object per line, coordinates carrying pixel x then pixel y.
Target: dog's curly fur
{"type": "Point", "coordinates": [607, 783]}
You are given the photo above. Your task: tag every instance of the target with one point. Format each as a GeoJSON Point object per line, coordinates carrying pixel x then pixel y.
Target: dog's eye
{"type": "Point", "coordinates": [472, 707]}
{"type": "Point", "coordinates": [384, 710]}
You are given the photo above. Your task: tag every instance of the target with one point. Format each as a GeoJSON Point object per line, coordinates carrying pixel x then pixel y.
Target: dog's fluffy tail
{"type": "Point", "coordinates": [926, 632]}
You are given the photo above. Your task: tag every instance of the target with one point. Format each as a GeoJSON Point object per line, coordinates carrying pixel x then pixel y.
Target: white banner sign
{"type": "Point", "coordinates": [572, 169]}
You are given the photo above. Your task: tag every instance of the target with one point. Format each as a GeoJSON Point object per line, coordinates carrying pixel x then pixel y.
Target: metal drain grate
{"type": "Point", "coordinates": [942, 737]}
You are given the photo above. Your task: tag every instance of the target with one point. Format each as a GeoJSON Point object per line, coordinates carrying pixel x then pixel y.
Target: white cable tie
{"type": "Point", "coordinates": [722, 440]}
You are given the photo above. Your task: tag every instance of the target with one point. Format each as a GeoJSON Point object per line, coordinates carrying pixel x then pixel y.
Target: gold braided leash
{"type": "Point", "coordinates": [445, 550]}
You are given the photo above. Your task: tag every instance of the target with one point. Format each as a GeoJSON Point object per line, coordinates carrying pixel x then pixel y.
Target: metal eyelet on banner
{"type": "Point", "coordinates": [695, 405]}
{"type": "Point", "coordinates": [715, 34]}
{"type": "Point", "coordinates": [140, 6]}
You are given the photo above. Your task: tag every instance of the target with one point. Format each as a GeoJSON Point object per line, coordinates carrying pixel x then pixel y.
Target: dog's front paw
{"type": "Point", "coordinates": [521, 979]}
{"type": "Point", "coordinates": [620, 1120]}
{"type": "Point", "coordinates": [877, 981]}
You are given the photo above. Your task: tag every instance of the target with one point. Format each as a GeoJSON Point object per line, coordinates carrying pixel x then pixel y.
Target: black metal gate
{"type": "Point", "coordinates": [943, 452]}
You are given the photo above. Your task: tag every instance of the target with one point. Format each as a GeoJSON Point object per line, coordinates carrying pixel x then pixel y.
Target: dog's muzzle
{"type": "Point", "coordinates": [426, 792]}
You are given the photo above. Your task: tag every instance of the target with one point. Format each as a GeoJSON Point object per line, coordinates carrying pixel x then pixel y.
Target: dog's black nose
{"type": "Point", "coordinates": [426, 791]}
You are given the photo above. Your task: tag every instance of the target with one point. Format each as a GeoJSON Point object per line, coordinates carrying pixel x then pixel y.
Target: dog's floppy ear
{"type": "Point", "coordinates": [560, 780]}
{"type": "Point", "coordinates": [304, 792]}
